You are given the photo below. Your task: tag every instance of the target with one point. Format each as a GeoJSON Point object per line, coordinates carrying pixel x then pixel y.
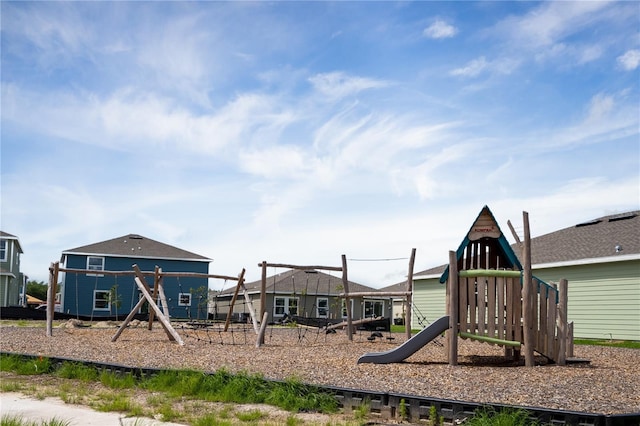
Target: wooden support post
{"type": "Point", "coordinates": [409, 298]}
{"type": "Point", "coordinates": [263, 327]}
{"type": "Point", "coordinates": [164, 321]}
{"type": "Point", "coordinates": [528, 296]}
{"type": "Point", "coordinates": [247, 299]}
{"type": "Point", "coordinates": [51, 297]}
{"type": "Point", "coordinates": [156, 284]}
{"type": "Point", "coordinates": [263, 297]}
{"type": "Point", "coordinates": [563, 331]}
{"type": "Point", "coordinates": [453, 308]}
{"type": "Point", "coordinates": [347, 301]}
{"type": "Point", "coordinates": [231, 305]}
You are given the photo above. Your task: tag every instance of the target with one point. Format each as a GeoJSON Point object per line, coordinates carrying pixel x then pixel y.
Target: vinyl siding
{"type": "Point", "coordinates": [429, 300]}
{"type": "Point", "coordinates": [604, 299]}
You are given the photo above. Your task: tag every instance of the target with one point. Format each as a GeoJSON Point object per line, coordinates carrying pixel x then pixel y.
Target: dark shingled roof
{"type": "Point", "coordinates": [136, 246]}
{"type": "Point", "coordinates": [594, 239]}
{"type": "Point", "coordinates": [299, 281]}
{"type": "Point", "coordinates": [587, 241]}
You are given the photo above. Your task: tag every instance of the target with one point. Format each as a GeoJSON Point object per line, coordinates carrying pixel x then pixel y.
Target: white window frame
{"type": "Point", "coordinates": [344, 308]}
{"type": "Point", "coordinates": [4, 250]}
{"type": "Point", "coordinates": [373, 303]}
{"type": "Point", "coordinates": [180, 296]}
{"type": "Point", "coordinates": [93, 267]}
{"type": "Point", "coordinates": [107, 299]}
{"type": "Point", "coordinates": [324, 301]}
{"type": "Point", "coordinates": [286, 306]}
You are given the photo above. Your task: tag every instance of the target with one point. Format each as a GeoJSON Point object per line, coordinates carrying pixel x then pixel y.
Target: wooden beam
{"type": "Point", "coordinates": [375, 293]}
{"type": "Point", "coordinates": [304, 268]}
{"type": "Point", "coordinates": [345, 283]}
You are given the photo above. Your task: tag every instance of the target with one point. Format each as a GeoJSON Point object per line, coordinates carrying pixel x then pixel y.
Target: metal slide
{"type": "Point", "coordinates": [409, 347]}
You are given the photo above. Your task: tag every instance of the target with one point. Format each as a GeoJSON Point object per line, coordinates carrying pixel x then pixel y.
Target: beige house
{"type": "Point", "coordinates": [307, 294]}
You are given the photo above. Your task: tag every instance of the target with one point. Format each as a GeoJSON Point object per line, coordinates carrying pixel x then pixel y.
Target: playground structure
{"type": "Point", "coordinates": [154, 300]}
{"type": "Point", "coordinates": [491, 297]}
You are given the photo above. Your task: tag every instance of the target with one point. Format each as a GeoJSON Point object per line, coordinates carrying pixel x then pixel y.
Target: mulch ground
{"type": "Point", "coordinates": [609, 384]}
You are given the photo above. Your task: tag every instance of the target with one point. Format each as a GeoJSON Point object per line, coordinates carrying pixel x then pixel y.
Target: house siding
{"type": "Point", "coordinates": [429, 298]}
{"type": "Point", "coordinates": [79, 287]}
{"type": "Point", "coordinates": [604, 299]}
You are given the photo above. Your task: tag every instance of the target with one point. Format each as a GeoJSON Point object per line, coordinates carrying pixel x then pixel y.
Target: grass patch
{"type": "Point", "coordinates": [25, 366]}
{"type": "Point", "coordinates": [250, 416]}
{"type": "Point", "coordinates": [629, 344]}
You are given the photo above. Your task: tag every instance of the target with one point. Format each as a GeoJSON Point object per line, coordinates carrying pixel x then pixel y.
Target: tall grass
{"type": "Point", "coordinates": [507, 417]}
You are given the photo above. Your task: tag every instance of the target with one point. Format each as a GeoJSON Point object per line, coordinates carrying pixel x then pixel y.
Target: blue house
{"type": "Point", "coordinates": [99, 294]}
{"type": "Point", "coordinates": [12, 281]}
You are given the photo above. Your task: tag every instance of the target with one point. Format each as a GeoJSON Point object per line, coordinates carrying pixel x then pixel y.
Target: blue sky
{"type": "Point", "coordinates": [295, 132]}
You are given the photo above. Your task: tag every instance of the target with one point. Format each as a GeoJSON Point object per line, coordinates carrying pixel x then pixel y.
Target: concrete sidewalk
{"type": "Point", "coordinates": [30, 409]}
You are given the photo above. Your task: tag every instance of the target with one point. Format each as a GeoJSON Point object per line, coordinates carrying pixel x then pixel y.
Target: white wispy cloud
{"type": "Point", "coordinates": [472, 68]}
{"type": "Point", "coordinates": [337, 85]}
{"type": "Point", "coordinates": [630, 60]}
{"type": "Point", "coordinates": [440, 29]}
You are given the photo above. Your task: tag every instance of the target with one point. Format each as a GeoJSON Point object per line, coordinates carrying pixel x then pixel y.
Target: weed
{"type": "Point", "coordinates": [507, 417]}
{"type": "Point", "coordinates": [434, 419]}
{"type": "Point", "coordinates": [404, 414]}
{"type": "Point", "coordinates": [362, 411]}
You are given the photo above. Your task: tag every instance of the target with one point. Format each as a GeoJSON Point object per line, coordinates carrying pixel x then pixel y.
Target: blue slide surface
{"type": "Point", "coordinates": [409, 347]}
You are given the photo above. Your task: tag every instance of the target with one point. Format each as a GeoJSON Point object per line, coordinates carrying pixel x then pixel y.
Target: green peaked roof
{"type": "Point", "coordinates": [486, 226]}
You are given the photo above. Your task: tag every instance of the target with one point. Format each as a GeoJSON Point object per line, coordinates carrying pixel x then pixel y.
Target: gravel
{"type": "Point", "coordinates": [609, 384]}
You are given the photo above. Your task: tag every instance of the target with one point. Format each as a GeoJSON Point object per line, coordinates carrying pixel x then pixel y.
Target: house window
{"type": "Point", "coordinates": [285, 305]}
{"type": "Point", "coordinates": [95, 263]}
{"type": "Point", "coordinates": [344, 308]}
{"type": "Point", "coordinates": [101, 300]}
{"type": "Point", "coordinates": [3, 250]}
{"type": "Point", "coordinates": [184, 299]}
{"type": "Point", "coordinates": [373, 308]}
{"type": "Point", "coordinates": [322, 310]}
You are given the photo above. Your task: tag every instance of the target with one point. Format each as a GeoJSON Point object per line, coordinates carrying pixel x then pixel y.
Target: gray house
{"type": "Point", "coordinates": [12, 281]}
{"type": "Point", "coordinates": [600, 259]}
{"type": "Point", "coordinates": [303, 293]}
{"type": "Point", "coordinates": [94, 293]}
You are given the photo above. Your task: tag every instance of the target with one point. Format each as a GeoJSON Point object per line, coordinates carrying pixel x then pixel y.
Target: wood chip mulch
{"type": "Point", "coordinates": [609, 384]}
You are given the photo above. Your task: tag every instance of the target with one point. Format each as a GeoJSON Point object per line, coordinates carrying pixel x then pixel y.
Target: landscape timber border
{"type": "Point", "coordinates": [387, 405]}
